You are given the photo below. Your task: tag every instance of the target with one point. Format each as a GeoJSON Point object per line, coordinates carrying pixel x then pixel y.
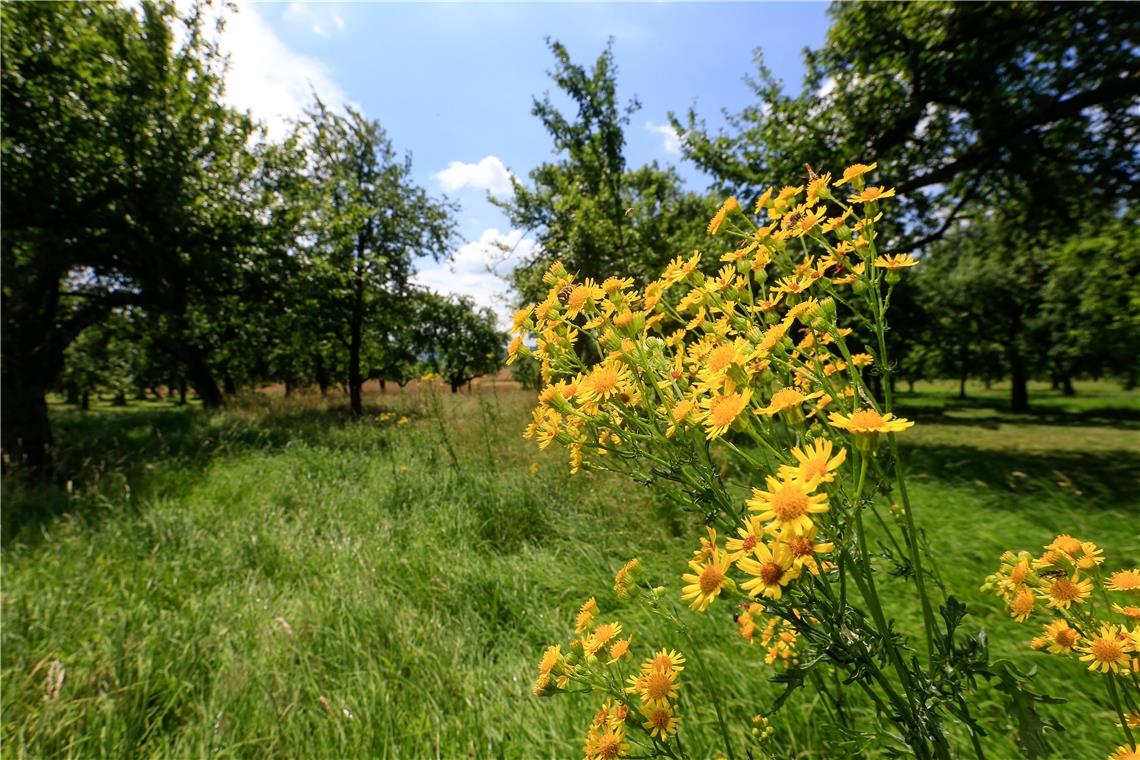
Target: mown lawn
{"type": "Point", "coordinates": [279, 581]}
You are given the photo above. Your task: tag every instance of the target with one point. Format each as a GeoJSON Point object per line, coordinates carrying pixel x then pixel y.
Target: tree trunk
{"type": "Point", "coordinates": [383, 386]}
{"type": "Point", "coordinates": [182, 392]}
{"type": "Point", "coordinates": [455, 385]}
{"type": "Point", "coordinates": [1018, 370]}
{"type": "Point", "coordinates": [288, 388]}
{"type": "Point", "coordinates": [356, 330]}
{"type": "Point", "coordinates": [85, 401]}
{"type": "Point", "coordinates": [73, 394]}
{"type": "Point", "coordinates": [910, 386]}
{"type": "Point", "coordinates": [201, 377]}
{"type": "Point", "coordinates": [25, 430]}
{"type": "Point", "coordinates": [1067, 388]}
{"type": "Point", "coordinates": [962, 386]}
{"type": "Point", "coordinates": [229, 385]}
{"type": "Point", "coordinates": [322, 373]}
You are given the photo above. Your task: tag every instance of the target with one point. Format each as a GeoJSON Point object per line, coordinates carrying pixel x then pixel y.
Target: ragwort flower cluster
{"type": "Point", "coordinates": [1091, 615]}
{"type": "Point", "coordinates": [741, 393]}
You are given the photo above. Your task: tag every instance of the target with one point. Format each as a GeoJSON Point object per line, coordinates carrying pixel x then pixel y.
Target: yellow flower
{"type": "Point", "coordinates": [866, 424]}
{"type": "Point", "coordinates": [1060, 636]}
{"type": "Point", "coordinates": [551, 657]}
{"type": "Point", "coordinates": [1106, 651]}
{"type": "Point", "coordinates": [586, 614]}
{"type": "Point", "coordinates": [804, 549]}
{"type": "Point", "coordinates": [656, 686]}
{"type": "Point", "coordinates": [1124, 580]}
{"type": "Point", "coordinates": [896, 261]}
{"type": "Point", "coordinates": [607, 379]}
{"type": "Point", "coordinates": [1022, 605]}
{"type": "Point", "coordinates": [1062, 591]}
{"type": "Point", "coordinates": [717, 220]}
{"type": "Point", "coordinates": [746, 621]}
{"type": "Point", "coordinates": [606, 745]}
{"type": "Point", "coordinates": [762, 201]}
{"type": "Point", "coordinates": [1124, 752]}
{"type": "Point", "coordinates": [854, 172]}
{"type": "Point", "coordinates": [1067, 544]}
{"type": "Point", "coordinates": [785, 399]}
{"type": "Point", "coordinates": [722, 410]}
{"type": "Point", "coordinates": [816, 462]}
{"type": "Point", "coordinates": [871, 194]}
{"type": "Point", "coordinates": [660, 721]}
{"type": "Point", "coordinates": [772, 570]}
{"type": "Point", "coordinates": [623, 579]}
{"type": "Point", "coordinates": [619, 649]}
{"type": "Point", "coordinates": [582, 296]}
{"type": "Point", "coordinates": [788, 502]}
{"type": "Point", "coordinates": [750, 534]}
{"type": "Point", "coordinates": [1131, 612]}
{"type": "Point", "coordinates": [670, 660]}
{"type": "Point", "coordinates": [706, 581]}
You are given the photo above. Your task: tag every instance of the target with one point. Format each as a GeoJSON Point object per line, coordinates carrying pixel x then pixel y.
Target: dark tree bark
{"type": "Point", "coordinates": [182, 392]}
{"type": "Point", "coordinates": [455, 385]}
{"type": "Point", "coordinates": [229, 385]}
{"type": "Point", "coordinates": [1067, 388]}
{"type": "Point", "coordinates": [201, 378]}
{"type": "Point", "coordinates": [962, 386]}
{"type": "Point", "coordinates": [322, 374]}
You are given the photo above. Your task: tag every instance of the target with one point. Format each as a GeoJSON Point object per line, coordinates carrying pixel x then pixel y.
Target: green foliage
{"type": "Point", "coordinates": [588, 209]}
{"type": "Point", "coordinates": [461, 342]}
{"type": "Point", "coordinates": [369, 222]}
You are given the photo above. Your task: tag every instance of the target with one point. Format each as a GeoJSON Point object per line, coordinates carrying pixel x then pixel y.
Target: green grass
{"type": "Point", "coordinates": [280, 581]}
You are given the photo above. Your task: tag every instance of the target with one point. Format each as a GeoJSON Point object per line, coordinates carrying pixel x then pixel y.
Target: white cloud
{"type": "Point", "coordinates": [478, 269]}
{"type": "Point", "coordinates": [489, 174]}
{"type": "Point", "coordinates": [671, 138]}
{"type": "Point", "coordinates": [266, 77]}
{"type": "Point", "coordinates": [312, 15]}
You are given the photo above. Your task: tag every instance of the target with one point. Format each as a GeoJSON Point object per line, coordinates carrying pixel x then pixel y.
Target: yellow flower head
{"type": "Point", "coordinates": [619, 649]}
{"type": "Point", "coordinates": [854, 172]}
{"type": "Point", "coordinates": [896, 261]}
{"type": "Point", "coordinates": [623, 579]}
{"type": "Point", "coordinates": [1022, 605]}
{"type": "Point", "coordinates": [1124, 752]}
{"type": "Point", "coordinates": [866, 424]}
{"type": "Point", "coordinates": [871, 194]}
{"type": "Point", "coordinates": [804, 549]}
{"type": "Point", "coordinates": [816, 462]}
{"type": "Point", "coordinates": [750, 534]}
{"type": "Point", "coordinates": [788, 502]}
{"type": "Point", "coordinates": [1062, 592]}
{"type": "Point", "coordinates": [1124, 580]}
{"type": "Point", "coordinates": [660, 720]}
{"type": "Point", "coordinates": [586, 614]}
{"type": "Point", "coordinates": [606, 745]}
{"type": "Point", "coordinates": [550, 658]}
{"type": "Point", "coordinates": [1060, 637]}
{"type": "Point", "coordinates": [667, 660]}
{"type": "Point", "coordinates": [785, 399]}
{"type": "Point", "coordinates": [721, 410]}
{"type": "Point", "coordinates": [1107, 651]}
{"type": "Point", "coordinates": [706, 580]}
{"type": "Point", "coordinates": [772, 569]}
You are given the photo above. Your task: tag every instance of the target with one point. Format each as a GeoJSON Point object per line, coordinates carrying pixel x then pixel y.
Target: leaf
{"type": "Point", "coordinates": [1032, 728]}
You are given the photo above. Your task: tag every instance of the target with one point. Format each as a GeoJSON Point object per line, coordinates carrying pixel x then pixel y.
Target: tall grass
{"type": "Point", "coordinates": [281, 581]}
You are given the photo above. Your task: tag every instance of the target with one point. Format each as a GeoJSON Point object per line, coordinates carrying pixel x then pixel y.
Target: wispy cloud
{"type": "Point", "coordinates": [317, 17]}
{"type": "Point", "coordinates": [670, 138]}
{"type": "Point", "coordinates": [488, 174]}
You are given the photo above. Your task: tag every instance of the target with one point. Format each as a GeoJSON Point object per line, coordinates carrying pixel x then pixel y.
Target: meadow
{"type": "Point", "coordinates": [279, 580]}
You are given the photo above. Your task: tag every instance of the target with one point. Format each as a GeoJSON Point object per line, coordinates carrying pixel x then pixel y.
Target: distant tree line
{"type": "Point", "coordinates": [154, 237]}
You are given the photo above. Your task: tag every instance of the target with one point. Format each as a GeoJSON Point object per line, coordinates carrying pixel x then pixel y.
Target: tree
{"type": "Point", "coordinates": [588, 209]}
{"type": "Point", "coordinates": [370, 222]}
{"type": "Point", "coordinates": [462, 342]}
{"type": "Point", "coordinates": [1023, 110]}
{"type": "Point", "coordinates": [121, 168]}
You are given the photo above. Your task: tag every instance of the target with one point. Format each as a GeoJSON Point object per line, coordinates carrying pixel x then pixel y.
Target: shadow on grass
{"type": "Point", "coordinates": [935, 409]}
{"type": "Point", "coordinates": [1106, 479]}
{"type": "Point", "coordinates": [101, 458]}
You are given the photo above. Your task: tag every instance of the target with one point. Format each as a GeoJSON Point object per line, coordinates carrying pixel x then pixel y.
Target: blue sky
{"type": "Point", "coordinates": [453, 84]}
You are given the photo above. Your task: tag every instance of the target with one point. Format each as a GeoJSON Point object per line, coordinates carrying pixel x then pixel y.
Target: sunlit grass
{"type": "Point", "coordinates": [280, 581]}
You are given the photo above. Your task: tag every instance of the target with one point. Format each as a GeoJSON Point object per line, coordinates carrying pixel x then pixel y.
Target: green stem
{"type": "Point", "coordinates": [1110, 678]}
{"type": "Point", "coordinates": [712, 692]}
